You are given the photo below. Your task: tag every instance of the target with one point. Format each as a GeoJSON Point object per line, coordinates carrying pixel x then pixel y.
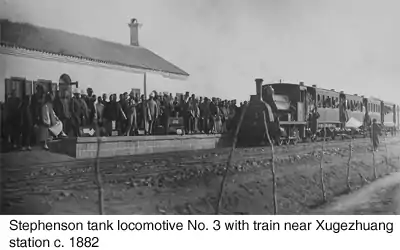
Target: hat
{"type": "Point", "coordinates": [152, 94]}
{"type": "Point", "coordinates": [83, 92]}
{"type": "Point", "coordinates": [76, 91]}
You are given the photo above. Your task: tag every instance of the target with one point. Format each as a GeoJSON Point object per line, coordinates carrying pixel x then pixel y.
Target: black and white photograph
{"type": "Point", "coordinates": [199, 107]}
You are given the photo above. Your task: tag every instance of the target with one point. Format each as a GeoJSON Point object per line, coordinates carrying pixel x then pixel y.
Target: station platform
{"type": "Point", "coordinates": [86, 147]}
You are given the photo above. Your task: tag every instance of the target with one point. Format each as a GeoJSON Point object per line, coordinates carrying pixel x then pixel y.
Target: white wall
{"type": "Point", "coordinates": [102, 80]}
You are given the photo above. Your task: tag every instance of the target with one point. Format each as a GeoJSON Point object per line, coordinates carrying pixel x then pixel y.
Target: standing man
{"type": "Point", "coordinates": [13, 118]}
{"type": "Point", "coordinates": [152, 111]}
{"type": "Point", "coordinates": [168, 109]}
{"type": "Point", "coordinates": [76, 113]}
{"type": "Point", "coordinates": [123, 102]}
{"type": "Point", "coordinates": [85, 110]}
{"type": "Point", "coordinates": [99, 112]}
{"type": "Point", "coordinates": [375, 133]}
{"type": "Point", "coordinates": [131, 114]}
{"type": "Point", "coordinates": [194, 114]}
{"type": "Point", "coordinates": [104, 99]}
{"type": "Point", "coordinates": [62, 108]}
{"type": "Point", "coordinates": [90, 102]}
{"type": "Point", "coordinates": [186, 112]}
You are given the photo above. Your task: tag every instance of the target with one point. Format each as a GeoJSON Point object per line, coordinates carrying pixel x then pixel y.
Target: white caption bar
{"type": "Point", "coordinates": [198, 232]}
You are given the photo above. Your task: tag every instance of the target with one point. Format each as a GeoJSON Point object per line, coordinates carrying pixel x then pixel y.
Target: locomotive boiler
{"type": "Point", "coordinates": [259, 112]}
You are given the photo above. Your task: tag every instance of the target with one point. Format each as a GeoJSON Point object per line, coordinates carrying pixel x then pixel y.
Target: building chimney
{"type": "Point", "coordinates": [259, 82]}
{"type": "Point", "coordinates": [134, 26]}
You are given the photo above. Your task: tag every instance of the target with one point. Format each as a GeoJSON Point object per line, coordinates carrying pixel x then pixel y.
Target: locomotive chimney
{"type": "Point", "coordinates": [259, 82]}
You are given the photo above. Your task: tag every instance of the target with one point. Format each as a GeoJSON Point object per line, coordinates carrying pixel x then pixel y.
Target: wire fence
{"type": "Point", "coordinates": [98, 169]}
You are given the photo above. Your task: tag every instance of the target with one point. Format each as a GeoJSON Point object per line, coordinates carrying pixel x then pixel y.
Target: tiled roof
{"type": "Point", "coordinates": [27, 36]}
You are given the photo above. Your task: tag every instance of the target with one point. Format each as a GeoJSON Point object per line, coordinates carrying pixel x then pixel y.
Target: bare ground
{"type": "Point", "coordinates": [380, 197]}
{"type": "Point", "coordinates": [248, 189]}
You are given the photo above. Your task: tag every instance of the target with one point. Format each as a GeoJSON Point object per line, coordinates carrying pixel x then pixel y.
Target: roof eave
{"type": "Point", "coordinates": [182, 75]}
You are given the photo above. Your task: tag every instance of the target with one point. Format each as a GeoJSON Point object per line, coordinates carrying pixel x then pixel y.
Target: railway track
{"type": "Point", "coordinates": [147, 170]}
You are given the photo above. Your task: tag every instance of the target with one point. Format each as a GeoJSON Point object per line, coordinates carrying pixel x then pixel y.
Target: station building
{"type": "Point", "coordinates": [32, 55]}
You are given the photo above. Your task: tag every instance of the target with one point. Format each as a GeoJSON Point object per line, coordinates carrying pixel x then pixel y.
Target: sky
{"type": "Point", "coordinates": [349, 45]}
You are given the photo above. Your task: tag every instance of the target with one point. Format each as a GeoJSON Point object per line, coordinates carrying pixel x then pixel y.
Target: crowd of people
{"type": "Point", "coordinates": [48, 115]}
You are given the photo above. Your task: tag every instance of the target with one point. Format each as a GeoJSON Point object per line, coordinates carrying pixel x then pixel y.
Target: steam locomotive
{"type": "Point", "coordinates": [296, 112]}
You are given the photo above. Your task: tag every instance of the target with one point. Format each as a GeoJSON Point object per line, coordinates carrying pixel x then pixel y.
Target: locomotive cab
{"type": "Point", "coordinates": [291, 105]}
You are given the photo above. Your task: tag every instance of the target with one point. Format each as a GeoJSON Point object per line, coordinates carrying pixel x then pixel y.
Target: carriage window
{"type": "Point", "coordinates": [328, 102]}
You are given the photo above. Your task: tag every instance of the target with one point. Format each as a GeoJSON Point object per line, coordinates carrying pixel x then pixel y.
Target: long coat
{"type": "Point", "coordinates": [48, 119]}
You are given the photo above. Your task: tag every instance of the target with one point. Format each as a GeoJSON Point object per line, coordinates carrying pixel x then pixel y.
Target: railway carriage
{"type": "Point", "coordinates": [388, 116]}
{"type": "Point", "coordinates": [355, 107]}
{"type": "Point", "coordinates": [397, 117]}
{"type": "Point", "coordinates": [298, 112]}
{"type": "Point", "coordinates": [373, 109]}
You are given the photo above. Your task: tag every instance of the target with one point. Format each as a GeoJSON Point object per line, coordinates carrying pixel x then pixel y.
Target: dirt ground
{"type": "Point", "coordinates": [248, 188]}
{"type": "Point", "coordinates": [380, 197]}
